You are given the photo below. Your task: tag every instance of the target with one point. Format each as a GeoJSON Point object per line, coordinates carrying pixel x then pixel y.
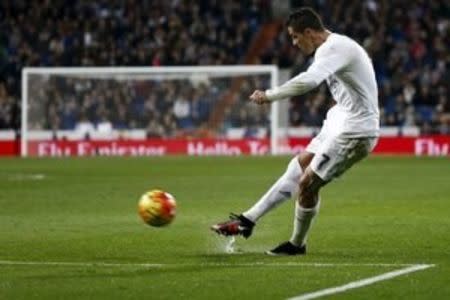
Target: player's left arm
{"type": "Point", "coordinates": [328, 60]}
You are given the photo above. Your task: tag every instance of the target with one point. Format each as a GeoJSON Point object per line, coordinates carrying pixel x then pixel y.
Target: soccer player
{"type": "Point", "coordinates": [349, 132]}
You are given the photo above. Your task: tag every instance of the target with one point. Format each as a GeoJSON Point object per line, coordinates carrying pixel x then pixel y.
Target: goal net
{"type": "Point", "coordinates": [65, 110]}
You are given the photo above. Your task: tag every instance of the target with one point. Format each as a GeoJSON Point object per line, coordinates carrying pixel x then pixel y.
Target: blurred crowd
{"type": "Point", "coordinates": [119, 33]}
{"type": "Point", "coordinates": [407, 40]}
{"type": "Point", "coordinates": [164, 107]}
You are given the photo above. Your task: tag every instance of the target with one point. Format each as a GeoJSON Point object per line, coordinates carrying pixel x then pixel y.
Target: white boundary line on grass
{"type": "Point", "coordinates": [77, 264]}
{"type": "Point", "coordinates": [407, 268]}
{"type": "Point", "coordinates": [361, 283]}
{"type": "Point", "coordinates": [154, 265]}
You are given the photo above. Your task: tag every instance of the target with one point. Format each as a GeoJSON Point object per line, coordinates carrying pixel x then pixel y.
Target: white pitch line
{"type": "Point", "coordinates": [24, 177]}
{"type": "Point", "coordinates": [361, 283]}
{"type": "Point", "coordinates": [76, 264]}
{"type": "Point", "coordinates": [153, 265]}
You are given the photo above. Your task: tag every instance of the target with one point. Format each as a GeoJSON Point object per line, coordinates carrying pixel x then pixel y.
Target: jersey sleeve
{"type": "Point", "coordinates": [328, 60]}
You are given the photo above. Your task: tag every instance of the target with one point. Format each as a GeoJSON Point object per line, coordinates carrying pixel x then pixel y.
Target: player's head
{"type": "Point", "coordinates": [304, 26]}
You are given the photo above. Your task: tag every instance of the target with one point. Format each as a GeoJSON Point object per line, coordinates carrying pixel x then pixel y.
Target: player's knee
{"type": "Point", "coordinates": [304, 159]}
{"type": "Point", "coordinates": [309, 189]}
{"type": "Point", "coordinates": [308, 182]}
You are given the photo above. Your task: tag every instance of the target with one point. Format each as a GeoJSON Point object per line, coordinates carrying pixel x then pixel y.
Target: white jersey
{"type": "Point", "coordinates": [349, 73]}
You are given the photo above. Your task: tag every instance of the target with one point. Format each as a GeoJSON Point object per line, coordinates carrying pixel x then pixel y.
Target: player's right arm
{"type": "Point", "coordinates": [328, 60]}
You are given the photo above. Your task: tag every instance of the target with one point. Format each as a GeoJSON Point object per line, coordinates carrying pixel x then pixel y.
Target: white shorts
{"type": "Point", "coordinates": [336, 154]}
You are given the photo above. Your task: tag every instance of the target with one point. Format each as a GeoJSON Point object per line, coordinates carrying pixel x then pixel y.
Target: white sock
{"type": "Point", "coordinates": [302, 223]}
{"type": "Point", "coordinates": [286, 187]}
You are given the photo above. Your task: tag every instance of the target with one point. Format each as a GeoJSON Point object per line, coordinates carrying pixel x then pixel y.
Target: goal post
{"type": "Point", "coordinates": [54, 100]}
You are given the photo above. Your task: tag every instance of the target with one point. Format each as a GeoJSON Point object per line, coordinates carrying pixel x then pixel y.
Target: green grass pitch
{"type": "Point", "coordinates": [81, 215]}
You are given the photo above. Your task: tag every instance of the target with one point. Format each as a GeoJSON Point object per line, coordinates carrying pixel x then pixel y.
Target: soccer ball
{"type": "Point", "coordinates": [157, 208]}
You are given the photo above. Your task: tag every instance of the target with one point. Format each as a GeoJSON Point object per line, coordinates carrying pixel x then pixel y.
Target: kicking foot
{"type": "Point", "coordinates": [287, 248]}
{"type": "Point", "coordinates": [238, 224]}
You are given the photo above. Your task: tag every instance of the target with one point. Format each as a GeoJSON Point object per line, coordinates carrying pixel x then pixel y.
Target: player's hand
{"type": "Point", "coordinates": [259, 97]}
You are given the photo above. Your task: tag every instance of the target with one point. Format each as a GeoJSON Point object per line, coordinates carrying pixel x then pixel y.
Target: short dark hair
{"type": "Point", "coordinates": [304, 18]}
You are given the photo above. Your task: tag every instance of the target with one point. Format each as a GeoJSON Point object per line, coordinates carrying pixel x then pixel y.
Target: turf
{"type": "Point", "coordinates": [83, 212]}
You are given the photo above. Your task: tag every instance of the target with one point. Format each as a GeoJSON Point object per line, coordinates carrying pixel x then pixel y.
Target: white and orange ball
{"type": "Point", "coordinates": [157, 208]}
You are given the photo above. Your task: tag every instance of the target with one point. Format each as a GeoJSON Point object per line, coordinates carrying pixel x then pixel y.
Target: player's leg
{"type": "Point", "coordinates": [288, 184]}
{"type": "Point", "coordinates": [306, 208]}
{"type": "Point", "coordinates": [335, 157]}
{"type": "Point", "coordinates": [284, 188]}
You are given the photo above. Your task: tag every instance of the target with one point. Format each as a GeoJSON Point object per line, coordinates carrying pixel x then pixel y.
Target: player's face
{"type": "Point", "coordinates": [302, 40]}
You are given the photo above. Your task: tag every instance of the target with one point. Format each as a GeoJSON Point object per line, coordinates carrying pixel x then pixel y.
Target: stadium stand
{"type": "Point", "coordinates": [408, 42]}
